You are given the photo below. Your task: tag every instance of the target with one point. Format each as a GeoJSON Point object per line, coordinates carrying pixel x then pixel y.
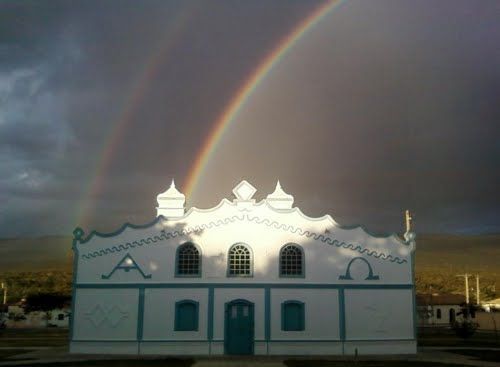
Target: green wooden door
{"type": "Point", "coordinates": [239, 324]}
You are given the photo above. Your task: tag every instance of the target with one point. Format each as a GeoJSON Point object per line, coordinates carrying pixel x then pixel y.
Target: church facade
{"type": "Point", "coordinates": [244, 277]}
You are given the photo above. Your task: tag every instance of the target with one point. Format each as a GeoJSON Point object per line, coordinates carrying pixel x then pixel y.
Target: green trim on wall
{"type": "Point", "coordinates": [152, 341]}
{"type": "Point", "coordinates": [414, 298]}
{"type": "Point", "coordinates": [341, 298]}
{"type": "Point", "coordinates": [140, 314]}
{"type": "Point", "coordinates": [126, 267]}
{"type": "Point", "coordinates": [78, 236]}
{"type": "Point", "coordinates": [347, 275]}
{"type": "Point", "coordinates": [76, 232]}
{"type": "Point", "coordinates": [267, 313]}
{"type": "Point", "coordinates": [244, 285]}
{"type": "Point", "coordinates": [210, 315]}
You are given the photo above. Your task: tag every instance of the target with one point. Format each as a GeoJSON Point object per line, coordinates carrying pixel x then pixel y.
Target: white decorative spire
{"type": "Point", "coordinates": [171, 202]}
{"type": "Point", "coordinates": [279, 199]}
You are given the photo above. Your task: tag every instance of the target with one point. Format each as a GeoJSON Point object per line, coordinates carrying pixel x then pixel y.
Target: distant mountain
{"type": "Point", "coordinates": [34, 254]}
{"type": "Point", "coordinates": [458, 252]}
{"type": "Point", "coordinates": [434, 251]}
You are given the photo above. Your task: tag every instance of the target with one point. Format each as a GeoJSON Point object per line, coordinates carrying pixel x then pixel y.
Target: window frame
{"type": "Point", "coordinates": [177, 253]}
{"type": "Point", "coordinates": [303, 262]}
{"type": "Point", "coordinates": [177, 321]}
{"type": "Point", "coordinates": [228, 269]}
{"type": "Point", "coordinates": [302, 315]}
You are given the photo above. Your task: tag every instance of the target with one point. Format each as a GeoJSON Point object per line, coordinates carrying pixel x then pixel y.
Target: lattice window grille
{"type": "Point", "coordinates": [188, 260]}
{"type": "Point", "coordinates": [291, 261]}
{"type": "Point", "coordinates": [240, 261]}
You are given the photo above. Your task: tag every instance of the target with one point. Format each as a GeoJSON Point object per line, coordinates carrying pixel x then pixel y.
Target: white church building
{"type": "Point", "coordinates": [244, 277]}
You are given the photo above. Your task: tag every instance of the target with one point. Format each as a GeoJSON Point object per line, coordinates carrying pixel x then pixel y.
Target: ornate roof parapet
{"type": "Point", "coordinates": [279, 199]}
{"type": "Point", "coordinates": [244, 192]}
{"type": "Point", "coordinates": [171, 203]}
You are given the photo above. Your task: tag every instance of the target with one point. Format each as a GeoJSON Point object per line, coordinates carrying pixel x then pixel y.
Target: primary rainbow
{"type": "Point", "coordinates": [247, 89]}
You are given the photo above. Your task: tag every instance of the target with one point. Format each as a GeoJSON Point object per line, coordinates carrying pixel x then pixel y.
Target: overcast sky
{"type": "Point", "coordinates": [380, 107]}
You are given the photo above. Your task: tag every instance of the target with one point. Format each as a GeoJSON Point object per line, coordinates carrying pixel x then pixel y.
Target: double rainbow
{"type": "Point", "coordinates": [247, 89]}
{"type": "Point", "coordinates": [225, 119]}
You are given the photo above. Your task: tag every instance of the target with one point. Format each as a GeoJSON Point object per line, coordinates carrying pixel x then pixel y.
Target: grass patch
{"type": "Point", "coordinates": [353, 363]}
{"type": "Point", "coordinates": [166, 362]}
{"type": "Point", "coordinates": [483, 355]}
{"type": "Point", "coordinates": [6, 353]}
{"type": "Point", "coordinates": [445, 337]}
{"type": "Point", "coordinates": [33, 337]}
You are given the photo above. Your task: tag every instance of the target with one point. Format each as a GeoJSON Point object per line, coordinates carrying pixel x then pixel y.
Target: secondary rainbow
{"type": "Point", "coordinates": [134, 99]}
{"type": "Point", "coordinates": [246, 90]}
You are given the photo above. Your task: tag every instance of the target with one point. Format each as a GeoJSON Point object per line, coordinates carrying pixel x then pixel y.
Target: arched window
{"type": "Point", "coordinates": [438, 313]}
{"type": "Point", "coordinates": [186, 315]}
{"type": "Point", "coordinates": [292, 316]}
{"type": "Point", "coordinates": [239, 261]}
{"type": "Point", "coordinates": [291, 261]}
{"type": "Point", "coordinates": [188, 260]}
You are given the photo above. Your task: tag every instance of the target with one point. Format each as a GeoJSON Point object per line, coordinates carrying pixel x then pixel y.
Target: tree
{"type": "Point", "coordinates": [466, 328]}
{"type": "Point", "coordinates": [45, 302]}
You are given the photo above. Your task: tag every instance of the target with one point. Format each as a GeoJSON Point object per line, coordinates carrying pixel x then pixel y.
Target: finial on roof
{"type": "Point", "coordinates": [171, 202]}
{"type": "Point", "coordinates": [279, 199]}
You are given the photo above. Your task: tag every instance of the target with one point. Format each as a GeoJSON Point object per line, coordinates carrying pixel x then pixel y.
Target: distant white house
{"type": "Point", "coordinates": [439, 309]}
{"type": "Point", "coordinates": [16, 317]}
{"type": "Point", "coordinates": [491, 305]}
{"type": "Point", "coordinates": [244, 277]}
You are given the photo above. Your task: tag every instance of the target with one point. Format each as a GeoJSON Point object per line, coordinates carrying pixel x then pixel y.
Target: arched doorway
{"type": "Point", "coordinates": [239, 327]}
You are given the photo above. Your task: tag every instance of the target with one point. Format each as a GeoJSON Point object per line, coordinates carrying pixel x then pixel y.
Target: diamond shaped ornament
{"type": "Point", "coordinates": [244, 191]}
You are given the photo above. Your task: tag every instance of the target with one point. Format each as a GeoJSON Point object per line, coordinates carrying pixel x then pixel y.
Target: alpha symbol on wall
{"type": "Point", "coordinates": [101, 314]}
{"type": "Point", "coordinates": [126, 264]}
{"type": "Point", "coordinates": [370, 276]}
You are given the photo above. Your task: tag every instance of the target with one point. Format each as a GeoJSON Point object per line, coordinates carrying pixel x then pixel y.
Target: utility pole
{"type": "Point", "coordinates": [408, 220]}
{"type": "Point", "coordinates": [466, 276]}
{"type": "Point", "coordinates": [4, 288]}
{"type": "Point", "coordinates": [477, 289]}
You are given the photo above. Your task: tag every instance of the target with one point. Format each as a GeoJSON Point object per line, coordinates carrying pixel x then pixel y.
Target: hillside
{"type": "Point", "coordinates": [35, 254]}
{"type": "Point", "coordinates": [458, 252]}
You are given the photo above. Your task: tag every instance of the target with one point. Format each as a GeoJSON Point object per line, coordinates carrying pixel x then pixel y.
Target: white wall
{"type": "Point", "coordinates": [321, 308]}
{"type": "Point", "coordinates": [378, 314]}
{"type": "Point", "coordinates": [105, 314]}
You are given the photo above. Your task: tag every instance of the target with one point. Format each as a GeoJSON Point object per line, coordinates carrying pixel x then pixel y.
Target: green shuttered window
{"type": "Point", "coordinates": [186, 315]}
{"type": "Point", "coordinates": [292, 316]}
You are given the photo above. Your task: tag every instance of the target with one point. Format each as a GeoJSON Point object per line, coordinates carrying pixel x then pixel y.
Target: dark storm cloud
{"type": "Point", "coordinates": [70, 71]}
{"type": "Point", "coordinates": [388, 107]}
